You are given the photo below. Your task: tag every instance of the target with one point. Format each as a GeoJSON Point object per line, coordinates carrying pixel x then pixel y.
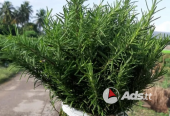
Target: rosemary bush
{"type": "Point", "coordinates": [86, 50]}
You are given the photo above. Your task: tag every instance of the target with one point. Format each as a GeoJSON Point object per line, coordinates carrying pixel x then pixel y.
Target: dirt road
{"type": "Point", "coordinates": [19, 98]}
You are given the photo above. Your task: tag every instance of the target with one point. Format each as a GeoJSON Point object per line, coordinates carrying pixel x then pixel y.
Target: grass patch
{"type": "Point", "coordinates": [138, 110]}
{"type": "Point", "coordinates": [62, 113]}
{"type": "Point", "coordinates": [7, 73]}
{"type": "Point", "coordinates": [166, 51]}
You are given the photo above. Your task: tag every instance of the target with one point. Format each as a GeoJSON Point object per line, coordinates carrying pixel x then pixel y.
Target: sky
{"type": "Point", "coordinates": [162, 24]}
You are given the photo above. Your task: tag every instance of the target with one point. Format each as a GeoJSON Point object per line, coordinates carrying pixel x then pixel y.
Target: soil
{"type": "Point", "coordinates": [167, 47]}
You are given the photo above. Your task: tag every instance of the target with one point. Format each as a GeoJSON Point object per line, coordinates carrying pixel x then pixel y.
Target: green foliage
{"type": "Point", "coordinates": [40, 17]}
{"type": "Point", "coordinates": [31, 34]}
{"type": "Point", "coordinates": [6, 12]}
{"type": "Point", "coordinates": [84, 51]}
{"type": "Point", "coordinates": [30, 26]}
{"type": "Point", "coordinates": [7, 29]}
{"type": "Point", "coordinates": [62, 113]}
{"type": "Point", "coordinates": [166, 51]}
{"type": "Point", "coordinates": [31, 30]}
{"type": "Point", "coordinates": [24, 12]}
{"type": "Point", "coordinates": [167, 62]}
{"type": "Point", "coordinates": [139, 110]}
{"type": "Point", "coordinates": [3, 59]}
{"type": "Point", "coordinates": [7, 73]}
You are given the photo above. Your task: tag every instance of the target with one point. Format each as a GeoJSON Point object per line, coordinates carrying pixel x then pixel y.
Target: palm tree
{"type": "Point", "coordinates": [28, 10]}
{"type": "Point", "coordinates": [40, 17]}
{"type": "Point", "coordinates": [25, 11]}
{"type": "Point", "coordinates": [6, 12]}
{"type": "Point", "coordinates": [16, 17]}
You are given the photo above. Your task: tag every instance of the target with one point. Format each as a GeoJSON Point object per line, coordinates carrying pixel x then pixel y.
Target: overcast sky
{"type": "Point", "coordinates": [162, 24]}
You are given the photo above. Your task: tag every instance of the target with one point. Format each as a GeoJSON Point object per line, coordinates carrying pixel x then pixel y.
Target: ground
{"type": "Point", "coordinates": [19, 98]}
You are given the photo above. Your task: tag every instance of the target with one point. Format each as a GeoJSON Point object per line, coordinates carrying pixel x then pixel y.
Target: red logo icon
{"type": "Point", "coordinates": [111, 94]}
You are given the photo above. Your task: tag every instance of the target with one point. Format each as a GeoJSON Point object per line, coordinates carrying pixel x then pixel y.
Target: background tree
{"type": "Point", "coordinates": [31, 30]}
{"type": "Point", "coordinates": [25, 12]}
{"type": "Point", "coordinates": [40, 17]}
{"type": "Point", "coordinates": [6, 12]}
{"type": "Point", "coordinates": [16, 17]}
{"type": "Point", "coordinates": [7, 16]}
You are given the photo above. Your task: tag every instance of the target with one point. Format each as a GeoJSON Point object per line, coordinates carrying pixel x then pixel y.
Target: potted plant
{"type": "Point", "coordinates": [86, 50]}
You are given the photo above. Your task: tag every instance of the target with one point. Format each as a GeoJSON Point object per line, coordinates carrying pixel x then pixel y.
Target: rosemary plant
{"type": "Point", "coordinates": [86, 50]}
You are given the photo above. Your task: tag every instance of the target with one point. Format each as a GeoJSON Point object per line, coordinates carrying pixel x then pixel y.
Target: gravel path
{"type": "Point", "coordinates": [167, 47]}
{"type": "Point", "coordinates": [19, 98]}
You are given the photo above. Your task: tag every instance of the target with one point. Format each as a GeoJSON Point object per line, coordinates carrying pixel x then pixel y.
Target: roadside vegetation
{"type": "Point", "coordinates": [6, 73]}
{"type": "Point", "coordinates": [166, 51]}
{"type": "Point", "coordinates": [138, 109]}
{"type": "Point", "coordinates": [18, 18]}
{"type": "Point", "coordinates": [14, 18]}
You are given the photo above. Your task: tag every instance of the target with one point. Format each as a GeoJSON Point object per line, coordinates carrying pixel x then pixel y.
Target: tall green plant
{"type": "Point", "coordinates": [40, 16]}
{"type": "Point", "coordinates": [6, 12]}
{"type": "Point", "coordinates": [86, 50]}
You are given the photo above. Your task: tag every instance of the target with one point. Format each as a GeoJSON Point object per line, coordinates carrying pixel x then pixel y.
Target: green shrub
{"type": "Point", "coordinates": [31, 30]}
{"type": "Point", "coordinates": [3, 58]}
{"type": "Point", "coordinates": [167, 62]}
{"type": "Point", "coordinates": [31, 33]}
{"type": "Point", "coordinates": [7, 73]}
{"type": "Point", "coordinates": [84, 51]}
{"type": "Point", "coordinates": [7, 29]}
